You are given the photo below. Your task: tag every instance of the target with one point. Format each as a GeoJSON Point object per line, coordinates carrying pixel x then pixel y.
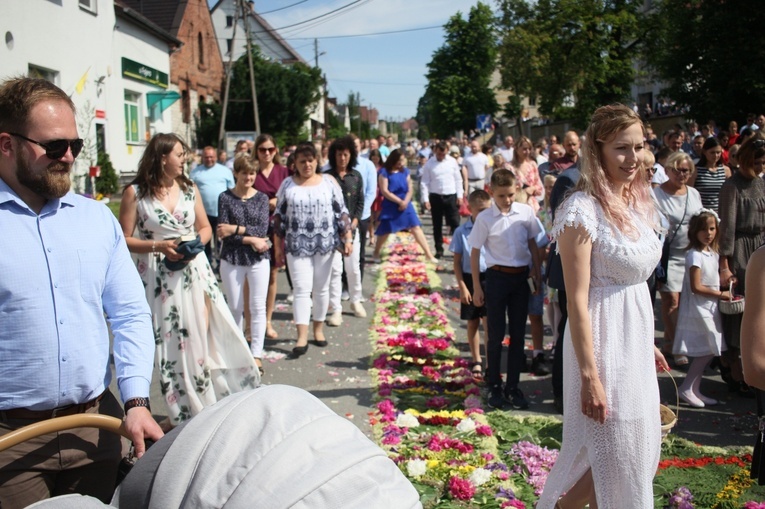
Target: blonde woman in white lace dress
{"type": "Point", "coordinates": [605, 233]}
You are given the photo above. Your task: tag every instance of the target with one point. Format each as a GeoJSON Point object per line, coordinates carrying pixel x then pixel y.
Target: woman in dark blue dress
{"type": "Point", "coordinates": [397, 212]}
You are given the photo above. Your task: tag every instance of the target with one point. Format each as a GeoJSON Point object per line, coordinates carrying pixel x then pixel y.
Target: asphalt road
{"type": "Point", "coordinates": [338, 373]}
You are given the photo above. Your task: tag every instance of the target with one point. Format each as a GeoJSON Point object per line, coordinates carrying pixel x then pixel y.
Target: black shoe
{"type": "Point", "coordinates": [298, 351]}
{"type": "Point", "coordinates": [538, 367]}
{"type": "Point", "coordinates": [439, 254]}
{"type": "Point", "coordinates": [495, 399]}
{"type": "Point", "coordinates": [516, 399]}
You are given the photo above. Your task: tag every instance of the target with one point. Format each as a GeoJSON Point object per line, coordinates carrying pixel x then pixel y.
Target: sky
{"type": "Point", "coordinates": [387, 70]}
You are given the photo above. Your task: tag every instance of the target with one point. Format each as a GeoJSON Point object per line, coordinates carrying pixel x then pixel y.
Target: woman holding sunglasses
{"type": "Point", "coordinates": [742, 223]}
{"type": "Point", "coordinates": [678, 203]}
{"type": "Point", "coordinates": [268, 180]}
{"type": "Point", "coordinates": [201, 353]}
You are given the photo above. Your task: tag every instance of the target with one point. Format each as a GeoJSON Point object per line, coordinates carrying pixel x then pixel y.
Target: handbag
{"type": "Point", "coordinates": [662, 271]}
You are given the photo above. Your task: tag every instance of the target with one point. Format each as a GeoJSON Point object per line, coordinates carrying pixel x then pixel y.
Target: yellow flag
{"type": "Point", "coordinates": [80, 86]}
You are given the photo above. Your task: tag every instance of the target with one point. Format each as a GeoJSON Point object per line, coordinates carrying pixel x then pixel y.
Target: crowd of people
{"type": "Point", "coordinates": [588, 228]}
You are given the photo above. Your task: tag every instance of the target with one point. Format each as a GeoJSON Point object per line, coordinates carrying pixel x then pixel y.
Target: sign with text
{"type": "Point", "coordinates": [139, 72]}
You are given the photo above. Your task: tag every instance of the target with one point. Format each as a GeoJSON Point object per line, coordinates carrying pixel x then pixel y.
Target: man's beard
{"type": "Point", "coordinates": [51, 183]}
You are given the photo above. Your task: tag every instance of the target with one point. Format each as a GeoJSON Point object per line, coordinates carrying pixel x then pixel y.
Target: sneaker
{"type": "Point", "coordinates": [538, 367]}
{"type": "Point", "coordinates": [358, 310]}
{"type": "Point", "coordinates": [516, 399]}
{"type": "Point", "coordinates": [495, 399]}
{"type": "Point", "coordinates": [345, 295]}
{"type": "Point", "coordinates": [335, 319]}
{"type": "Point", "coordinates": [291, 297]}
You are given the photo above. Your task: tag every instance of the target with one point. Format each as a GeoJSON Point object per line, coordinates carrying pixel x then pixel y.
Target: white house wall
{"type": "Point", "coordinates": [133, 43]}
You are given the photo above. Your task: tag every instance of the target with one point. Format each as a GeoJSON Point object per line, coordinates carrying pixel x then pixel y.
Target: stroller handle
{"type": "Point", "coordinates": [56, 424]}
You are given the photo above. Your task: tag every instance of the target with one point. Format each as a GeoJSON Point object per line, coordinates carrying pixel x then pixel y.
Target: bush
{"type": "Point", "coordinates": [108, 182]}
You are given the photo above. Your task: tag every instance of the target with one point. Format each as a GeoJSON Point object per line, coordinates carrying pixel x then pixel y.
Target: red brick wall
{"type": "Point", "coordinates": [186, 70]}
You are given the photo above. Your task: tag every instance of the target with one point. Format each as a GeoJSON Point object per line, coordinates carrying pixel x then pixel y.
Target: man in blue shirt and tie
{"type": "Point", "coordinates": [65, 265]}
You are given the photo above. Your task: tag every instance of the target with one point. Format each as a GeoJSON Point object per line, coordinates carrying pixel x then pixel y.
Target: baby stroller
{"type": "Point", "coordinates": [273, 447]}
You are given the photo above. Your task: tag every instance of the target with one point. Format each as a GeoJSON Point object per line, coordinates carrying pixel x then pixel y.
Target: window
{"type": "Point", "coordinates": [229, 21]}
{"type": "Point", "coordinates": [229, 44]}
{"type": "Point", "coordinates": [89, 5]}
{"type": "Point", "coordinates": [533, 101]}
{"type": "Point", "coordinates": [201, 45]}
{"type": "Point", "coordinates": [41, 72]}
{"type": "Point", "coordinates": [132, 118]}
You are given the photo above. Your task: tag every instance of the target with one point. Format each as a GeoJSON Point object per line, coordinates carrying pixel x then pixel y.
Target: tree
{"type": "Point", "coordinates": [575, 55]}
{"type": "Point", "coordinates": [709, 53]}
{"type": "Point", "coordinates": [286, 93]}
{"type": "Point", "coordinates": [459, 75]}
{"type": "Point", "coordinates": [108, 182]}
{"type": "Point", "coordinates": [209, 124]}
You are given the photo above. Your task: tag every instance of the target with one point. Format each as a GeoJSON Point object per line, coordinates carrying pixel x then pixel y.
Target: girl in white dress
{"type": "Point", "coordinates": [699, 328]}
{"type": "Point", "coordinates": [605, 233]}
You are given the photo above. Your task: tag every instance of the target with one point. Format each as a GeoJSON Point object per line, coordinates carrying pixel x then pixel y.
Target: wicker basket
{"type": "Point", "coordinates": [730, 306]}
{"type": "Point", "coordinates": [668, 417]}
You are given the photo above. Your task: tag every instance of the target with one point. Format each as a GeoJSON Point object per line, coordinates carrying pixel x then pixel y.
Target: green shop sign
{"type": "Point", "coordinates": [144, 73]}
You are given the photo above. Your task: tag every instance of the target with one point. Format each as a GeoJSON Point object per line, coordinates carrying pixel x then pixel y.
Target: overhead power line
{"type": "Point", "coordinates": [379, 83]}
{"type": "Point", "coordinates": [364, 35]}
{"type": "Point", "coordinates": [285, 7]}
{"type": "Point", "coordinates": [314, 18]}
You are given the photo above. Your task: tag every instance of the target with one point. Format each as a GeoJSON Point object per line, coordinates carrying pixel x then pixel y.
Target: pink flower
{"type": "Point", "coordinates": [514, 503]}
{"type": "Point", "coordinates": [484, 430]}
{"type": "Point", "coordinates": [172, 398]}
{"type": "Point", "coordinates": [142, 267]}
{"type": "Point", "coordinates": [461, 489]}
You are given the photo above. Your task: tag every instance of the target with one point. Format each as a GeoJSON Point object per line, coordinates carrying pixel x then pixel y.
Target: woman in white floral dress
{"type": "Point", "coordinates": [201, 354]}
{"type": "Point", "coordinates": [605, 233]}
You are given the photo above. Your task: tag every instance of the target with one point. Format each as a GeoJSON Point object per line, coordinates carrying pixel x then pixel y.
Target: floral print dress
{"type": "Point", "coordinates": [201, 354]}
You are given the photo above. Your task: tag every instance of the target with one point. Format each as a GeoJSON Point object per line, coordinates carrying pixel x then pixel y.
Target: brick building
{"type": "Point", "coordinates": [196, 69]}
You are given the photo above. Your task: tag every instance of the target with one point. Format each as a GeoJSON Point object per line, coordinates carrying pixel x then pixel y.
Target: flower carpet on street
{"type": "Point", "coordinates": [430, 416]}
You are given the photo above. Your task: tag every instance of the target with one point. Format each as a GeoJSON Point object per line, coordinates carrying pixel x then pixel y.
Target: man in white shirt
{"type": "Point", "coordinates": [474, 168]}
{"type": "Point", "coordinates": [507, 151]}
{"type": "Point", "coordinates": [442, 191]}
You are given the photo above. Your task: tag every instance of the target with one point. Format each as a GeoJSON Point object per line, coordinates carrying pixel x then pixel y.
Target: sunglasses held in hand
{"type": "Point", "coordinates": [56, 149]}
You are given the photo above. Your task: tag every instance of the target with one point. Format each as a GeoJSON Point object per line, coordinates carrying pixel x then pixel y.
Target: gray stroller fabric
{"type": "Point", "coordinates": [274, 447]}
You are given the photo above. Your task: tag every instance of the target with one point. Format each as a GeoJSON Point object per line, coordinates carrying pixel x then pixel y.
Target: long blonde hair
{"type": "Point", "coordinates": [606, 123]}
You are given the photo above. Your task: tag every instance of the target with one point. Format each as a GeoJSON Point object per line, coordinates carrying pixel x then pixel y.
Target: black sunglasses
{"type": "Point", "coordinates": [56, 149]}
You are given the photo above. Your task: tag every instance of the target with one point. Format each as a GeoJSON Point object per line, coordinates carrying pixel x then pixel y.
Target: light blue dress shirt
{"type": "Point", "coordinates": [211, 182]}
{"type": "Point", "coordinates": [61, 271]}
{"type": "Point", "coordinates": [459, 244]}
{"type": "Point", "coordinates": [369, 176]}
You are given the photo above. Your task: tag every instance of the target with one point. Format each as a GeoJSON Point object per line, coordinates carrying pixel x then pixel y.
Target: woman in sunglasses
{"type": "Point", "coordinates": [677, 202]}
{"type": "Point", "coordinates": [742, 223]}
{"type": "Point", "coordinates": [200, 351]}
{"type": "Point", "coordinates": [268, 180]}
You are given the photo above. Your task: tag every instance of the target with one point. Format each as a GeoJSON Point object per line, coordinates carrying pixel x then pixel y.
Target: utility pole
{"type": "Point", "coordinates": [249, 63]}
{"type": "Point", "coordinates": [358, 105]}
{"type": "Point", "coordinates": [222, 130]}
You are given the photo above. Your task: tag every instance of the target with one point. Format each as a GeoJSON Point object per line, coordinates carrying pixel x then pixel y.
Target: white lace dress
{"type": "Point", "coordinates": [624, 451]}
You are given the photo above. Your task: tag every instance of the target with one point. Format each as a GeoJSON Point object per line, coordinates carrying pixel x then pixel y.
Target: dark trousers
{"type": "Point", "coordinates": [212, 256]}
{"type": "Point", "coordinates": [557, 368]}
{"type": "Point", "coordinates": [363, 229]}
{"type": "Point", "coordinates": [443, 206]}
{"type": "Point", "coordinates": [507, 303]}
{"type": "Point", "coordinates": [81, 460]}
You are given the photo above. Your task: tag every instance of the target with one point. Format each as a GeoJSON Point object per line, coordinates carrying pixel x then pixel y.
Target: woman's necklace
{"type": "Point", "coordinates": [244, 194]}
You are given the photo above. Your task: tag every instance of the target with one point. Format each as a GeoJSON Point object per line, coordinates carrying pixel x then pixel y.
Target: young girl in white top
{"type": "Point", "coordinates": [699, 329]}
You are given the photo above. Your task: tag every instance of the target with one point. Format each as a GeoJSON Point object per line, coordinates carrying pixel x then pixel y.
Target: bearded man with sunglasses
{"type": "Point", "coordinates": [64, 265]}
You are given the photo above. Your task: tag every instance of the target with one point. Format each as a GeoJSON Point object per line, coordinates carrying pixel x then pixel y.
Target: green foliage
{"type": "Point", "coordinates": [710, 54]}
{"type": "Point", "coordinates": [108, 182]}
{"type": "Point", "coordinates": [335, 128]}
{"type": "Point", "coordinates": [568, 51]}
{"type": "Point", "coordinates": [285, 95]}
{"type": "Point", "coordinates": [459, 74]}
{"type": "Point", "coordinates": [208, 129]}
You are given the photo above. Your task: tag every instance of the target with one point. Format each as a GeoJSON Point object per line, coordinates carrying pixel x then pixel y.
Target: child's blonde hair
{"type": "Point", "coordinates": [697, 223]}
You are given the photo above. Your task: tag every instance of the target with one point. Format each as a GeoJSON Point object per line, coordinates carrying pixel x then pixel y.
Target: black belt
{"type": "Point", "coordinates": [509, 270]}
{"type": "Point", "coordinates": [475, 180]}
{"type": "Point", "coordinates": [39, 415]}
